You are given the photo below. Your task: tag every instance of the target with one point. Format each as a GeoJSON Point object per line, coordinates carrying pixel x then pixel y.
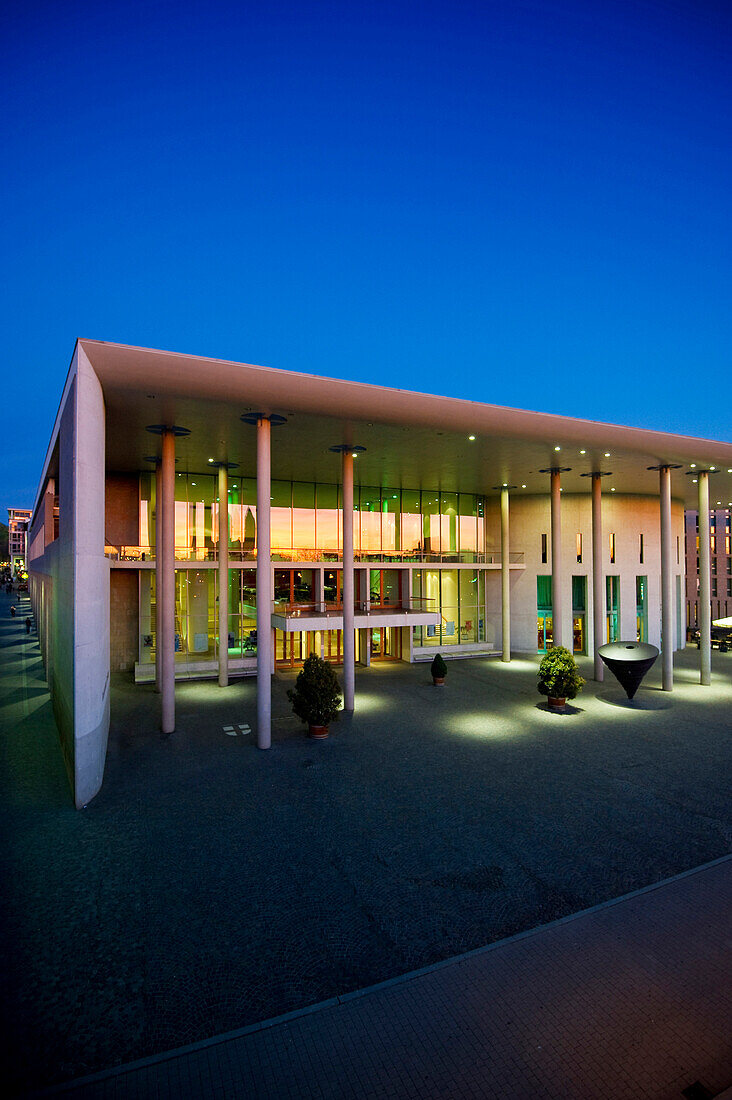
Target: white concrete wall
{"type": "Point", "coordinates": [71, 586]}
{"type": "Point", "coordinates": [91, 588]}
{"type": "Point", "coordinates": [625, 517]}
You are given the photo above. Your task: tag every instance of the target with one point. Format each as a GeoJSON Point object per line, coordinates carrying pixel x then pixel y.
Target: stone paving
{"type": "Point", "coordinates": [631, 999]}
{"type": "Point", "coordinates": [210, 885]}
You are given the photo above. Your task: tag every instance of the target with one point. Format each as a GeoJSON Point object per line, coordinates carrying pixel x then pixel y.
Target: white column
{"type": "Point", "coordinates": [505, 579]}
{"type": "Point", "coordinates": [667, 582]}
{"type": "Point", "coordinates": [264, 568]}
{"type": "Point", "coordinates": [557, 579]}
{"type": "Point", "coordinates": [349, 646]}
{"type": "Point", "coordinates": [705, 607]}
{"type": "Point", "coordinates": [166, 583]}
{"type": "Point", "coordinates": [158, 549]}
{"type": "Point", "coordinates": [223, 623]}
{"type": "Point", "coordinates": [598, 592]}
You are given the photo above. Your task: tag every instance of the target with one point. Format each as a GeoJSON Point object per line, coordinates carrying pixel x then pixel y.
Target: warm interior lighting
{"type": "Point", "coordinates": [557, 448]}
{"type": "Point", "coordinates": [583, 452]}
{"type": "Point", "coordinates": [471, 438]}
{"type": "Point", "coordinates": [607, 454]}
{"type": "Point", "coordinates": [354, 454]}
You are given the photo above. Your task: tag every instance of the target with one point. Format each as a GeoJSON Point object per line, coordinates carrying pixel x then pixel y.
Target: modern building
{"type": "Point", "coordinates": [18, 521]}
{"type": "Point", "coordinates": [363, 523]}
{"type": "Point", "coordinates": [720, 560]}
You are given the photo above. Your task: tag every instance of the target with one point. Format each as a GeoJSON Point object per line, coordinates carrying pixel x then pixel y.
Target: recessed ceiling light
{"type": "Point", "coordinates": [693, 481]}
{"type": "Point", "coordinates": [523, 486]}
{"type": "Point", "coordinates": [471, 438]}
{"type": "Point", "coordinates": [693, 465]}
{"type": "Point", "coordinates": [613, 489]}
{"type": "Point", "coordinates": [719, 502]}
{"type": "Point", "coordinates": [607, 454]}
{"type": "Point", "coordinates": [193, 483]}
{"type": "Point", "coordinates": [712, 467]}
{"type": "Point", "coordinates": [583, 452]}
{"type": "Point", "coordinates": [557, 448]}
{"type": "Point", "coordinates": [354, 454]}
{"type": "Point", "coordinates": [210, 460]}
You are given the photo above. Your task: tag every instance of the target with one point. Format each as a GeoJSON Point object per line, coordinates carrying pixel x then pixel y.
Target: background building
{"type": "Point", "coordinates": [18, 523]}
{"type": "Point", "coordinates": [720, 552]}
{"type": "Point", "coordinates": [362, 523]}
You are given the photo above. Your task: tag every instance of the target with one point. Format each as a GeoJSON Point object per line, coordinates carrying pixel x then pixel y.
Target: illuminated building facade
{"type": "Point", "coordinates": [18, 520]}
{"type": "Point", "coordinates": [362, 523]}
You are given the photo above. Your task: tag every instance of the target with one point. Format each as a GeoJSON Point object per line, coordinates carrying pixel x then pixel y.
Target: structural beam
{"type": "Point", "coordinates": [264, 585]}
{"type": "Point", "coordinates": [557, 571]}
{"type": "Point", "coordinates": [223, 623]}
{"type": "Point", "coordinates": [158, 548]}
{"type": "Point", "coordinates": [598, 601]}
{"type": "Point", "coordinates": [505, 578]}
{"type": "Point", "coordinates": [705, 598]}
{"type": "Point", "coordinates": [667, 606]}
{"type": "Point", "coordinates": [165, 566]}
{"type": "Point", "coordinates": [349, 643]}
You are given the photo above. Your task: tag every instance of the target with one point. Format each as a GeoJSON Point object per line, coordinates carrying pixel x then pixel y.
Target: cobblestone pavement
{"type": "Point", "coordinates": [210, 885]}
{"type": "Point", "coordinates": [632, 999]}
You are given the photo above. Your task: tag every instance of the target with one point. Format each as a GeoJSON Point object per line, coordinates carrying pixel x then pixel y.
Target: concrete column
{"type": "Point", "coordinates": [166, 583]}
{"type": "Point", "coordinates": [223, 623]}
{"type": "Point", "coordinates": [264, 602]}
{"type": "Point", "coordinates": [667, 582]}
{"type": "Point", "coordinates": [349, 642]}
{"type": "Point", "coordinates": [705, 607]}
{"type": "Point", "coordinates": [158, 551]}
{"type": "Point", "coordinates": [557, 573]}
{"type": "Point", "coordinates": [505, 579]}
{"type": "Point", "coordinates": [598, 594]}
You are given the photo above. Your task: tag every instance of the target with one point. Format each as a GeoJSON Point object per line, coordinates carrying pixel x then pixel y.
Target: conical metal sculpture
{"type": "Point", "coordinates": [628, 662]}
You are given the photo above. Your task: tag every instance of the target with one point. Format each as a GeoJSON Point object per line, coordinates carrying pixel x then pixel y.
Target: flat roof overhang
{"type": "Point", "coordinates": [412, 440]}
{"type": "Point", "coordinates": [294, 622]}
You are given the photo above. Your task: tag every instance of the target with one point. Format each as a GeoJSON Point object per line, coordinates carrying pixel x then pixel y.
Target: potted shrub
{"type": "Point", "coordinates": [559, 678]}
{"type": "Point", "coordinates": [316, 696]}
{"type": "Point", "coordinates": [438, 668]}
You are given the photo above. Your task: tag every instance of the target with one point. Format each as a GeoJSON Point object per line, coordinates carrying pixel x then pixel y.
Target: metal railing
{"type": "Point", "coordinates": [129, 552]}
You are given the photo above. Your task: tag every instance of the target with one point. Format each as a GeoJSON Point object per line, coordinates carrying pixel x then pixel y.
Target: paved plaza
{"type": "Point", "coordinates": [211, 886]}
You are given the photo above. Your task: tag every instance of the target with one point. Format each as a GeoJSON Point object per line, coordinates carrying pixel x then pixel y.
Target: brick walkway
{"type": "Point", "coordinates": [211, 886]}
{"type": "Point", "coordinates": [631, 999]}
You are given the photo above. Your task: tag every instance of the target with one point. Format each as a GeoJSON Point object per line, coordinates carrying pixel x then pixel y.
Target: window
{"type": "Point", "coordinates": [612, 549]}
{"type": "Point", "coordinates": [640, 550]}
{"type": "Point", "coordinates": [714, 586]}
{"type": "Point", "coordinates": [729, 586]}
{"type": "Point", "coordinates": [579, 548]}
{"type": "Point", "coordinates": [544, 551]}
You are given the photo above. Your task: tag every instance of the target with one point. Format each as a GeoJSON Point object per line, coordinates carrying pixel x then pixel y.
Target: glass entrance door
{"type": "Point", "coordinates": [386, 643]}
{"type": "Point", "coordinates": [545, 636]}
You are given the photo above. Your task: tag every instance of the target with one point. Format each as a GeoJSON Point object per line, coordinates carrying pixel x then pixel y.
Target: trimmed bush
{"type": "Point", "coordinates": [559, 677]}
{"type": "Point", "coordinates": [316, 696]}
{"type": "Point", "coordinates": [438, 668]}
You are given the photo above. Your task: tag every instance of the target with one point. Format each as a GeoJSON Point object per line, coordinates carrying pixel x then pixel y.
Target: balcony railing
{"type": "Point", "coordinates": [306, 554]}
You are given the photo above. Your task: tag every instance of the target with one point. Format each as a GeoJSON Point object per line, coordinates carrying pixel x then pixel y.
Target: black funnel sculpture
{"type": "Point", "coordinates": [628, 662]}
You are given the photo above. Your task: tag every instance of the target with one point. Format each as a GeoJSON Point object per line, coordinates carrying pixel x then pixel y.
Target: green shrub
{"type": "Point", "coordinates": [316, 696]}
{"type": "Point", "coordinates": [559, 677]}
{"type": "Point", "coordinates": [438, 668]}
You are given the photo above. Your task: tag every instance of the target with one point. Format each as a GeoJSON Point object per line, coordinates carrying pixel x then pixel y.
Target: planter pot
{"type": "Point", "coordinates": [318, 732]}
{"type": "Point", "coordinates": [556, 703]}
{"type": "Point", "coordinates": [438, 680]}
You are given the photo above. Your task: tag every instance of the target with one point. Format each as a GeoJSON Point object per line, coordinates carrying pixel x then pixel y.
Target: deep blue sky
{"type": "Point", "coordinates": [523, 202]}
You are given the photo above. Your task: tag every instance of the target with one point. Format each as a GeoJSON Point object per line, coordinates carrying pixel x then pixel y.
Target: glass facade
{"type": "Point", "coordinates": [458, 596]}
{"type": "Point", "coordinates": [413, 525]}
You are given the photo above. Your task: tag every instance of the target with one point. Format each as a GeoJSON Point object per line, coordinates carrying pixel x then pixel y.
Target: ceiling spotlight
{"type": "Point", "coordinates": [354, 454]}
{"type": "Point", "coordinates": [607, 454]}
{"type": "Point", "coordinates": [471, 438]}
{"type": "Point", "coordinates": [693, 465]}
{"type": "Point", "coordinates": [612, 490]}
{"type": "Point", "coordinates": [523, 486]}
{"type": "Point", "coordinates": [712, 467]}
{"type": "Point", "coordinates": [557, 448]}
{"type": "Point", "coordinates": [583, 452]}
{"type": "Point", "coordinates": [693, 481]}
{"type": "Point", "coordinates": [210, 460]}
